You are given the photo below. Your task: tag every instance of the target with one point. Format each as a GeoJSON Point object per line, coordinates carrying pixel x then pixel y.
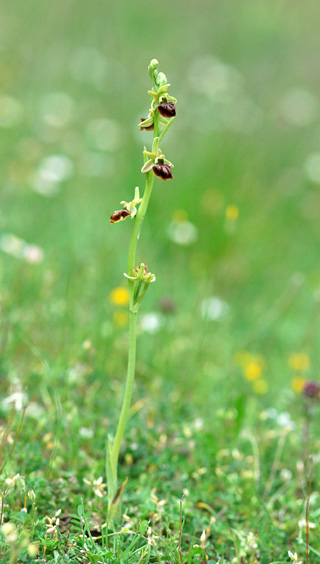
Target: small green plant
{"type": "Point", "coordinates": [161, 115]}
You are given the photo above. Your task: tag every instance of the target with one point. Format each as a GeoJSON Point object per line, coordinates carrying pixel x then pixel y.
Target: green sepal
{"type": "Point", "coordinates": [161, 79]}
{"type": "Point", "coordinates": [148, 165]}
{"type": "Point", "coordinates": [153, 66]}
{"type": "Point", "coordinates": [163, 89]}
{"type": "Point", "coordinates": [162, 120]}
{"type": "Point", "coordinates": [153, 71]}
{"type": "Point", "coordinates": [155, 145]}
{"type": "Point", "coordinates": [147, 122]}
{"type": "Point", "coordinates": [171, 99]}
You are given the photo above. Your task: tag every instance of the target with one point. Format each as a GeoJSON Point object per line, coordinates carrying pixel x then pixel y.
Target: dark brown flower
{"type": "Point", "coordinates": [167, 110]}
{"type": "Point", "coordinates": [148, 127]}
{"type": "Point", "coordinates": [162, 170]}
{"type": "Point", "coordinates": [312, 389]}
{"type": "Point", "coordinates": [119, 215]}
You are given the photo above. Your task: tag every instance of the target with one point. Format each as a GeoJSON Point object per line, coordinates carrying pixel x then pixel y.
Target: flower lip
{"type": "Point", "coordinates": [147, 127]}
{"type": "Point", "coordinates": [162, 170]}
{"type": "Point", "coordinates": [119, 215]}
{"type": "Point", "coordinates": [167, 109]}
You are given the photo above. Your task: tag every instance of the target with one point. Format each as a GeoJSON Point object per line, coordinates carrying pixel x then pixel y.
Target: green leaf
{"type": "Point", "coordinates": [110, 470]}
{"type": "Point", "coordinates": [94, 558]}
{"type": "Point", "coordinates": [116, 502]}
{"type": "Point", "coordinates": [143, 526]}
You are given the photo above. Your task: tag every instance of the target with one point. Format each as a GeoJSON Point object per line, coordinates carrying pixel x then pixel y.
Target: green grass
{"type": "Point", "coordinates": [198, 430]}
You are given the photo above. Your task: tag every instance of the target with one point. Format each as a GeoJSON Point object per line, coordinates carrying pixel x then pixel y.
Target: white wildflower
{"type": "Point", "coordinates": [10, 532]}
{"type": "Point", "coordinates": [16, 400]}
{"type": "Point", "coordinates": [151, 322]}
{"type": "Point", "coordinates": [214, 308]}
{"type": "Point", "coordinates": [183, 232]}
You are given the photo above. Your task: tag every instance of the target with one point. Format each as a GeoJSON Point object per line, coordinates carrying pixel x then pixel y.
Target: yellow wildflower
{"type": "Point", "coordinates": [180, 216]}
{"type": "Point", "coordinates": [232, 213]}
{"type": "Point", "coordinates": [120, 318]}
{"type": "Point", "coordinates": [242, 358]}
{"type": "Point", "coordinates": [260, 387]}
{"type": "Point", "coordinates": [253, 370]}
{"type": "Point", "coordinates": [128, 458]}
{"type": "Point", "coordinates": [299, 362]}
{"type": "Point", "coordinates": [119, 296]}
{"type": "Point", "coordinates": [297, 384]}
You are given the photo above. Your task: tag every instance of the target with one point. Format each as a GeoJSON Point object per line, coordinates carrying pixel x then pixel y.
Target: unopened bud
{"type": "Point", "coordinates": [153, 69]}
{"type": "Point", "coordinates": [20, 483]}
{"type": "Point", "coordinates": [310, 469]}
{"type": "Point", "coordinates": [153, 65]}
{"type": "Point", "coordinates": [31, 496]}
{"type": "Point", "coordinates": [161, 79]}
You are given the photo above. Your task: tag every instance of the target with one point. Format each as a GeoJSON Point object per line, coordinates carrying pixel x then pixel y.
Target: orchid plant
{"type": "Point", "coordinates": [160, 117]}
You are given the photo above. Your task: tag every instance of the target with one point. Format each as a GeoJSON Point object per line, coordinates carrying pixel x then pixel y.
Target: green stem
{"type": "Point", "coordinates": [137, 229]}
{"type": "Point", "coordinates": [156, 124]}
{"type": "Point", "coordinates": [127, 395]}
{"type": "Point", "coordinates": [132, 324]}
{"type": "Point", "coordinates": [165, 129]}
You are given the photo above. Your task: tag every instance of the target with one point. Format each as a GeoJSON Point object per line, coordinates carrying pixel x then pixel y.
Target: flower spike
{"type": "Point", "coordinates": [159, 119]}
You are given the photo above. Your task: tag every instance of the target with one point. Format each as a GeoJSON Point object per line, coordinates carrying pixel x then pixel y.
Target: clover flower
{"type": "Point", "coordinates": [311, 389]}
{"type": "Point", "coordinates": [294, 557]}
{"type": "Point", "coordinates": [53, 522]}
{"type": "Point", "coordinates": [97, 486]}
{"type": "Point", "coordinates": [10, 532]}
{"type": "Point", "coordinates": [308, 388]}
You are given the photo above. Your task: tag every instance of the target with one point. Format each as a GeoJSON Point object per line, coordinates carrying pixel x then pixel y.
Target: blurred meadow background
{"type": "Point", "coordinates": [228, 335]}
